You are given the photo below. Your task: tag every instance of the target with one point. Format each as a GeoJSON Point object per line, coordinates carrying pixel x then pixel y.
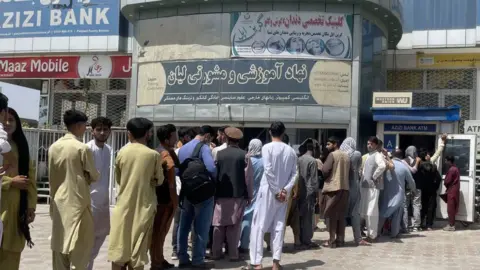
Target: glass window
{"type": "Point", "coordinates": [438, 14]}
{"type": "Point", "coordinates": [460, 149]}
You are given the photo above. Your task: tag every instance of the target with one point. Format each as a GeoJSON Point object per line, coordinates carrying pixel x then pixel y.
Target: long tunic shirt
{"type": "Point", "coordinates": [393, 195]}
{"type": "Point", "coordinates": [138, 170]}
{"type": "Point", "coordinates": [307, 184]}
{"type": "Point", "coordinates": [71, 170]}
{"type": "Point", "coordinates": [452, 182]}
{"type": "Point", "coordinates": [99, 191]}
{"type": "Point", "coordinates": [257, 167]}
{"type": "Point", "coordinates": [280, 167]}
{"type": "Point", "coordinates": [14, 241]}
{"type": "Point", "coordinates": [353, 184]}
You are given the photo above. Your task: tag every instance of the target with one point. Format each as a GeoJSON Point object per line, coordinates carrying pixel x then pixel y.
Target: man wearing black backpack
{"type": "Point", "coordinates": [197, 173]}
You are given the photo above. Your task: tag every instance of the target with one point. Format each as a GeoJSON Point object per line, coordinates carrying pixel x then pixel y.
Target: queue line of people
{"type": "Point", "coordinates": [225, 196]}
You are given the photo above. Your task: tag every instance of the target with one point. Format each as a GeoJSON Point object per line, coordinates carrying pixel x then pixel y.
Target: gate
{"type": "Point", "coordinates": [39, 140]}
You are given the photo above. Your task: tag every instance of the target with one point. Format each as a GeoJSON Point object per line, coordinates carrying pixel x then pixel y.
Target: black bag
{"type": "Point", "coordinates": [197, 185]}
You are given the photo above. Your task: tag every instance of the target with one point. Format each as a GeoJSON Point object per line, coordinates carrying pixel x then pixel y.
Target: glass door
{"type": "Point", "coordinates": [463, 148]}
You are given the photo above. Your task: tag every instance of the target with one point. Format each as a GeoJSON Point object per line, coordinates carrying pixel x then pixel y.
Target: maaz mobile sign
{"type": "Point", "coordinates": [58, 18]}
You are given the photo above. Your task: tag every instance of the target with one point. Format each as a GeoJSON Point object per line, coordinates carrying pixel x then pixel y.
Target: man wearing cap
{"type": "Point", "coordinates": [234, 192]}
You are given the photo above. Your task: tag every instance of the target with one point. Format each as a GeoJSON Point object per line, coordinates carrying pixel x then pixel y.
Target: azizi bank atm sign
{"type": "Point", "coordinates": [57, 18]}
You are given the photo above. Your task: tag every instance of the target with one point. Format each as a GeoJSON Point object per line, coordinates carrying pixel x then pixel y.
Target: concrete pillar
{"type": "Point", "coordinates": [356, 72]}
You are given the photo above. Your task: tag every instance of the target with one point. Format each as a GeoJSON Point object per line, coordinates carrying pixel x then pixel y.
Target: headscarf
{"type": "Point", "coordinates": [255, 148]}
{"type": "Point", "coordinates": [349, 146]}
{"type": "Point", "coordinates": [411, 152]}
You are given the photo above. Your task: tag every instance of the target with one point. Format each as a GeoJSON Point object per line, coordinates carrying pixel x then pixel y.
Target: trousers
{"type": "Point", "coordinates": [414, 200]}
{"type": "Point", "coordinates": [429, 208]}
{"type": "Point", "coordinates": [161, 225]}
{"type": "Point", "coordinates": [232, 234]}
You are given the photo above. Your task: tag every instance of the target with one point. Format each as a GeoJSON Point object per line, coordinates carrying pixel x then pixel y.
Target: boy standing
{"type": "Point", "coordinates": [99, 191]}
{"type": "Point", "coordinates": [138, 171]}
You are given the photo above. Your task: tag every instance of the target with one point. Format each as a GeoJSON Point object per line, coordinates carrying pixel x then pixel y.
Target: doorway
{"type": "Point", "coordinates": [426, 142]}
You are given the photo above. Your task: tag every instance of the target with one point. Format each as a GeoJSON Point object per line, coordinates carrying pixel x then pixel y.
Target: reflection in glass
{"type": "Point", "coordinates": [460, 149]}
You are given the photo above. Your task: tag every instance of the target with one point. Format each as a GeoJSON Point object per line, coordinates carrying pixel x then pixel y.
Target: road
{"type": "Point", "coordinates": [423, 250]}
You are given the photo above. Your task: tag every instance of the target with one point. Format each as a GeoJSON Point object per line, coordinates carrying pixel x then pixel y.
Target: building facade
{"type": "Point", "coordinates": [437, 58]}
{"type": "Point", "coordinates": [76, 54]}
{"type": "Point", "coordinates": [312, 65]}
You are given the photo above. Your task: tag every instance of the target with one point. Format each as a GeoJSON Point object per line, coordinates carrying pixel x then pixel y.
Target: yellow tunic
{"type": "Point", "coordinates": [138, 170]}
{"type": "Point", "coordinates": [13, 242]}
{"type": "Point", "coordinates": [71, 170]}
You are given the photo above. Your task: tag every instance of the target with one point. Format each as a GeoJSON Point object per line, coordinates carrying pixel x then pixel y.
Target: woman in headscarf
{"type": "Point", "coordinates": [19, 197]}
{"type": "Point", "coordinates": [255, 155]}
{"type": "Point", "coordinates": [349, 146]}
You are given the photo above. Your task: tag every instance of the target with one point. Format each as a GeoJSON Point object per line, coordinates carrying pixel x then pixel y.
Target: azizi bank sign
{"type": "Point", "coordinates": [56, 18]}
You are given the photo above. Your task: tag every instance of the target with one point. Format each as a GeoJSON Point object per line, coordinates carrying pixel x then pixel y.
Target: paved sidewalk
{"type": "Point", "coordinates": [424, 250]}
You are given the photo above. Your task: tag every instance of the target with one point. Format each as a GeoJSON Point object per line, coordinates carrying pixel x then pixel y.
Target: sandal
{"type": "Point", "coordinates": [363, 243]}
{"type": "Point", "coordinates": [327, 244]}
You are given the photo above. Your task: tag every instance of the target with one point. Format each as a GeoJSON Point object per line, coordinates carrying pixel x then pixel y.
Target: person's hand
{"type": "Point", "coordinates": [30, 215]}
{"type": "Point", "coordinates": [212, 145]}
{"type": "Point", "coordinates": [418, 160]}
{"type": "Point", "coordinates": [282, 196]}
{"type": "Point", "coordinates": [20, 182]}
{"type": "Point", "coordinates": [444, 137]}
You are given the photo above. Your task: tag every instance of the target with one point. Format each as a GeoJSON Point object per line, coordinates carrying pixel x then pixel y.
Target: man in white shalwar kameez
{"type": "Point", "coordinates": [371, 186]}
{"type": "Point", "coordinates": [280, 167]}
{"type": "Point", "coordinates": [99, 191]}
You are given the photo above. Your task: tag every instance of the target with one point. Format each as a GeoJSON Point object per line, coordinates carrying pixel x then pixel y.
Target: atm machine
{"type": "Point", "coordinates": [422, 127]}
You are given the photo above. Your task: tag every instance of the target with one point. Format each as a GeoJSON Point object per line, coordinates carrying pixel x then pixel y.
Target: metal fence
{"type": "Point", "coordinates": [39, 140]}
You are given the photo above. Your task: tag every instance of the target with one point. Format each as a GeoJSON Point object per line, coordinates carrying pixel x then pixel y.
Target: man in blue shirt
{"type": "Point", "coordinates": [201, 213]}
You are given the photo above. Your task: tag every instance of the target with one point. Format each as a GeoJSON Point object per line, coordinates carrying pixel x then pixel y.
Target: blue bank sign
{"type": "Point", "coordinates": [59, 18]}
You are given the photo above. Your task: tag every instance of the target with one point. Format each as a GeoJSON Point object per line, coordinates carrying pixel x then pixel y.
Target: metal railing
{"type": "Point", "coordinates": [39, 140]}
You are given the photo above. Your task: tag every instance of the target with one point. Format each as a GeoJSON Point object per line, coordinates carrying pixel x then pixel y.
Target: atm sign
{"type": "Point", "coordinates": [410, 127]}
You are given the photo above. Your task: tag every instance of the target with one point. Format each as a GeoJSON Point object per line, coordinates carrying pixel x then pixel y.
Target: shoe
{"type": "Point", "coordinates": [449, 228]}
{"type": "Point", "coordinates": [415, 229]}
{"type": "Point", "coordinates": [429, 229]}
{"type": "Point", "coordinates": [174, 256]}
{"type": "Point", "coordinates": [204, 265]}
{"type": "Point", "coordinates": [185, 265]}
{"type": "Point", "coordinates": [167, 265]}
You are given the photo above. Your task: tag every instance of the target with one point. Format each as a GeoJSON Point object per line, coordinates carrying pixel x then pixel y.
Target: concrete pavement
{"type": "Point", "coordinates": [423, 250]}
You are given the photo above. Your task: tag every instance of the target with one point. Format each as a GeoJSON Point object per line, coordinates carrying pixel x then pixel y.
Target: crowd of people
{"type": "Point", "coordinates": [225, 200]}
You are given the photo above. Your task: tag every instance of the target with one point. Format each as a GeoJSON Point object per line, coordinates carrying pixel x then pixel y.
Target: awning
{"type": "Point", "coordinates": [450, 114]}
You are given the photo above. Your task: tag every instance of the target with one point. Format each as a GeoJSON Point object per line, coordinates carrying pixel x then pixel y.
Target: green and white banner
{"type": "Point", "coordinates": [280, 34]}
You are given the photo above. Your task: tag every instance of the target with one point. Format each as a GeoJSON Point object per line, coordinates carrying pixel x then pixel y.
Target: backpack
{"type": "Point", "coordinates": [197, 185]}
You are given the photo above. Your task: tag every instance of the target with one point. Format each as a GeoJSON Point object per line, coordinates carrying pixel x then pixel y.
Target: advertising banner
{"type": "Point", "coordinates": [447, 60]}
{"type": "Point", "coordinates": [245, 81]}
{"type": "Point", "coordinates": [66, 67]}
{"type": "Point", "coordinates": [59, 18]}
{"type": "Point", "coordinates": [281, 34]}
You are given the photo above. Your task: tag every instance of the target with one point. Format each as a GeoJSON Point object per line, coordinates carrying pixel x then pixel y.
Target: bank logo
{"type": "Point", "coordinates": [97, 66]}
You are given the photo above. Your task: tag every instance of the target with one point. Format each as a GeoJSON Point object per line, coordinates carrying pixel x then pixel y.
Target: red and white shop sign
{"type": "Point", "coordinates": [66, 67]}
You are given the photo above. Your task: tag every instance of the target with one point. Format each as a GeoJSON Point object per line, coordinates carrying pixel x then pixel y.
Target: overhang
{"type": "Point", "coordinates": [448, 114]}
{"type": "Point", "coordinates": [388, 11]}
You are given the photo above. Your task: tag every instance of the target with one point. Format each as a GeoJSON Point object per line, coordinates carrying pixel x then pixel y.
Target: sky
{"type": "Point", "coordinates": [24, 100]}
